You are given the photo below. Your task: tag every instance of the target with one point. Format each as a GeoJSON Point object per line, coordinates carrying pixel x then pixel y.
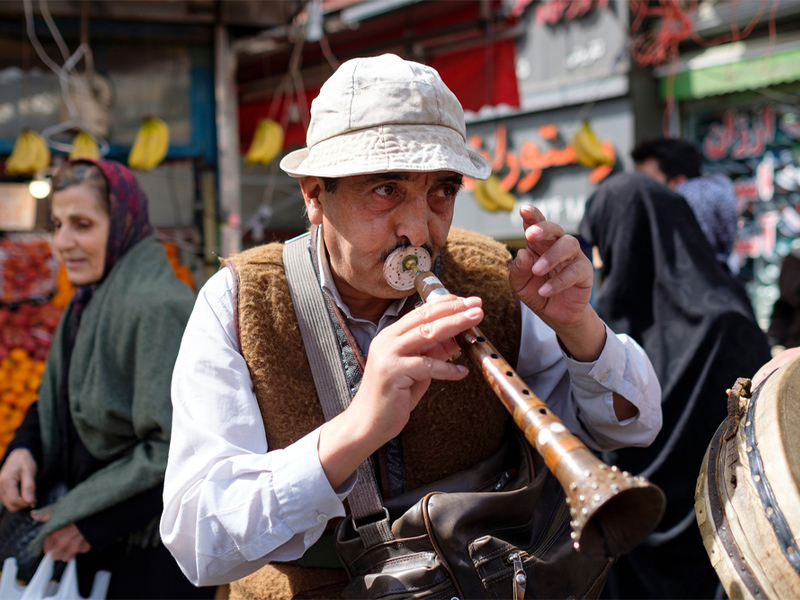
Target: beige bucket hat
{"type": "Point", "coordinates": [383, 114]}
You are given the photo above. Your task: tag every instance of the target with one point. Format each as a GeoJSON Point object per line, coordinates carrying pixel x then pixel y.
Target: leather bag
{"type": "Point", "coordinates": [497, 530]}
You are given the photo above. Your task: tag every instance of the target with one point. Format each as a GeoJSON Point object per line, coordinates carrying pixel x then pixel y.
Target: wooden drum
{"type": "Point", "coordinates": [747, 501]}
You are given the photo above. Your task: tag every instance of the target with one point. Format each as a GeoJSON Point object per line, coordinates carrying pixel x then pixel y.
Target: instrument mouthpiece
{"type": "Point", "coordinates": [402, 266]}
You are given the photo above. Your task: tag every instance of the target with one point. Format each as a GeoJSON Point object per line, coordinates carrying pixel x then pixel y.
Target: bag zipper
{"type": "Point", "coordinates": [520, 578]}
{"type": "Point", "coordinates": [503, 481]}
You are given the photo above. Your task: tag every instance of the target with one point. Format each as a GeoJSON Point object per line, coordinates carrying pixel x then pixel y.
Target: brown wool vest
{"type": "Point", "coordinates": [455, 424]}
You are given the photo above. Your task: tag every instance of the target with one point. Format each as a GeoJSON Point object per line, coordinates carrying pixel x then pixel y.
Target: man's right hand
{"type": "Point", "coordinates": [403, 360]}
{"type": "Point", "coordinates": [18, 480]}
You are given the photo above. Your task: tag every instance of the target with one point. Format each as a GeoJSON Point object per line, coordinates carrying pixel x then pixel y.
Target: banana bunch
{"type": "Point", "coordinates": [150, 146]}
{"type": "Point", "coordinates": [267, 142]}
{"type": "Point", "coordinates": [84, 146]}
{"type": "Point", "coordinates": [490, 196]}
{"type": "Point", "coordinates": [588, 149]}
{"type": "Point", "coordinates": [29, 155]}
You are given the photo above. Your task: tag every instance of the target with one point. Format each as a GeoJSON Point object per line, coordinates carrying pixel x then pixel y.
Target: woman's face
{"type": "Point", "coordinates": [81, 225]}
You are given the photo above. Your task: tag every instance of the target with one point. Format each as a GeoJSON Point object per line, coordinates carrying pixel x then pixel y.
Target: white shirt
{"type": "Point", "coordinates": [230, 506]}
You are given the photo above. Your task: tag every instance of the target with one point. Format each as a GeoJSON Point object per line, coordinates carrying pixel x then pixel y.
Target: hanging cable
{"type": "Point", "coordinates": [327, 53]}
{"type": "Point", "coordinates": [62, 46]}
{"type": "Point", "coordinates": [64, 73]}
{"type": "Point", "coordinates": [661, 45]}
{"type": "Point", "coordinates": [735, 35]}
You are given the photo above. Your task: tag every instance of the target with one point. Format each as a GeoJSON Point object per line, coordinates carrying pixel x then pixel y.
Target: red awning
{"type": "Point", "coordinates": [482, 75]}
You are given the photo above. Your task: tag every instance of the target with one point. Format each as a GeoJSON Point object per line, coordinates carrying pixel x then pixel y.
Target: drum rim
{"type": "Point", "coordinates": [769, 503]}
{"type": "Point", "coordinates": [734, 554]}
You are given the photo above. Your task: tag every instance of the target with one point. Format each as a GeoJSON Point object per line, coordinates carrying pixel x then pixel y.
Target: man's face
{"type": "Point", "coordinates": [369, 216]}
{"type": "Point", "coordinates": [649, 166]}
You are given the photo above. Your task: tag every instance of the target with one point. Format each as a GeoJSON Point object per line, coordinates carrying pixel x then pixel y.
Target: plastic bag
{"type": "Point", "coordinates": [18, 529]}
{"type": "Point", "coordinates": [42, 587]}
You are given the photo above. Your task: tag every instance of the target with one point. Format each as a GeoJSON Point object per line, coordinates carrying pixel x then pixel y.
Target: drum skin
{"type": "Point", "coordinates": [747, 501]}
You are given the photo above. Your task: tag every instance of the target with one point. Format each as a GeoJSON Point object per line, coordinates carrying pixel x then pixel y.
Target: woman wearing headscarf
{"type": "Point", "coordinates": [661, 284]}
{"type": "Point", "coordinates": [91, 453]}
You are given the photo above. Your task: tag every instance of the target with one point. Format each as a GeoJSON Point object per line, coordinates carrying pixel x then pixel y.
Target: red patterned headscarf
{"type": "Point", "coordinates": [129, 221]}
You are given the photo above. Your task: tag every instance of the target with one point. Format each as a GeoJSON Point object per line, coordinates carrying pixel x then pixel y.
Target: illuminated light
{"type": "Point", "coordinates": [39, 188]}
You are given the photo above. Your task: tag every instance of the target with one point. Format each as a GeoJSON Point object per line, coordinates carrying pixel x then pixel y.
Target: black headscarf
{"type": "Point", "coordinates": [662, 285]}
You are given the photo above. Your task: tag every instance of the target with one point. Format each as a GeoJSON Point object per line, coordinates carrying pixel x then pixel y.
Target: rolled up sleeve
{"type": "Point", "coordinates": [582, 394]}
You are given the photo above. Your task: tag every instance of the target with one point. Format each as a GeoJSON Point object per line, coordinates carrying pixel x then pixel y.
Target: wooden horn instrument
{"type": "Point", "coordinates": [611, 510]}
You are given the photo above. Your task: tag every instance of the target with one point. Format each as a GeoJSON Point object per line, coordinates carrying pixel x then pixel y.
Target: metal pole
{"type": "Point", "coordinates": [230, 189]}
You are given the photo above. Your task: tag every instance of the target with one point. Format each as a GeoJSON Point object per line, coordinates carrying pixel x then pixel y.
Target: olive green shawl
{"type": "Point", "coordinates": [119, 383]}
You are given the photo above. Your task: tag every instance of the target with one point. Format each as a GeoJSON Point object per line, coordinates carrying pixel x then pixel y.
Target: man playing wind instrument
{"type": "Point", "coordinates": [256, 474]}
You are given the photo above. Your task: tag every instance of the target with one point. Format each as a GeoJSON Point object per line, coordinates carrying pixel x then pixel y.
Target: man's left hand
{"type": "Point", "coordinates": [551, 275]}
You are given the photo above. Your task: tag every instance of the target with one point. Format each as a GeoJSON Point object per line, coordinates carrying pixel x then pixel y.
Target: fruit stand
{"type": "Point", "coordinates": [33, 293]}
{"type": "Point", "coordinates": [34, 290]}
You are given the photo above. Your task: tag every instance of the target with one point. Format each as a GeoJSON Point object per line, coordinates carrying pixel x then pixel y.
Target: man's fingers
{"type": "Point", "coordinates": [445, 350]}
{"type": "Point", "coordinates": [567, 276]}
{"type": "Point", "coordinates": [544, 231]}
{"type": "Point", "coordinates": [544, 235]}
{"type": "Point", "coordinates": [429, 335]}
{"type": "Point", "coordinates": [519, 272]}
{"type": "Point", "coordinates": [530, 215]}
{"type": "Point", "coordinates": [559, 255]}
{"type": "Point", "coordinates": [438, 308]}
{"type": "Point", "coordinates": [421, 368]}
{"type": "Point", "coordinates": [435, 323]}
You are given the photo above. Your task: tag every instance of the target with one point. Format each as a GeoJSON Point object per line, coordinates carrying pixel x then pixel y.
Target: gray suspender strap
{"type": "Point", "coordinates": [322, 350]}
{"type": "Point", "coordinates": [316, 328]}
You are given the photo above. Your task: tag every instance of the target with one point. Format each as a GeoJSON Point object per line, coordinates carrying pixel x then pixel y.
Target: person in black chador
{"type": "Point", "coordinates": [662, 285]}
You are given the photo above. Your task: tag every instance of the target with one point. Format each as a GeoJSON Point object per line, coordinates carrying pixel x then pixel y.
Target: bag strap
{"type": "Point", "coordinates": [321, 346]}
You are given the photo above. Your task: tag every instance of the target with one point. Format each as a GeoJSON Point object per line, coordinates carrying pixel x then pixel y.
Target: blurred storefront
{"type": "Point", "coordinates": [737, 98]}
{"type": "Point", "coordinates": [528, 73]}
{"type": "Point", "coordinates": [573, 72]}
